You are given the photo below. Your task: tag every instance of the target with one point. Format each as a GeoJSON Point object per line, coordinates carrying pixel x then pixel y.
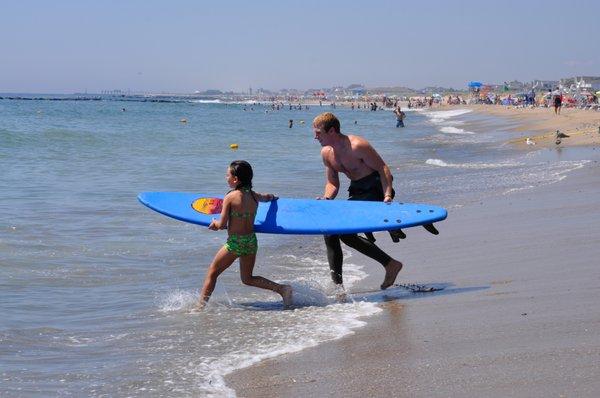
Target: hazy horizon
{"type": "Point", "coordinates": [182, 46]}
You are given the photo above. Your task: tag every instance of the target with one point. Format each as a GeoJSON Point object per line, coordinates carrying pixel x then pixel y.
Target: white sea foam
{"type": "Point", "coordinates": [352, 273]}
{"type": "Point", "coordinates": [201, 101]}
{"type": "Point", "coordinates": [178, 300]}
{"type": "Point", "coordinates": [442, 117]}
{"type": "Point", "coordinates": [447, 114]}
{"type": "Point", "coordinates": [441, 163]}
{"type": "Point", "coordinates": [312, 327]}
{"type": "Point", "coordinates": [455, 130]}
{"type": "Point", "coordinates": [545, 174]}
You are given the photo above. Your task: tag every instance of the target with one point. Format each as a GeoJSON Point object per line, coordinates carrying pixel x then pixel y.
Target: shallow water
{"type": "Point", "coordinates": [97, 291]}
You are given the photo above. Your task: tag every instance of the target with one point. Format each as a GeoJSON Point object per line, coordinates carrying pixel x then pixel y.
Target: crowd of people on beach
{"type": "Point", "coordinates": [553, 98]}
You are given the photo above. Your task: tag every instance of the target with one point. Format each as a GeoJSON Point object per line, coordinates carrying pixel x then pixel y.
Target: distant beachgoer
{"type": "Point", "coordinates": [237, 216]}
{"type": "Point", "coordinates": [399, 117]}
{"type": "Point", "coordinates": [370, 179]}
{"type": "Point", "coordinates": [557, 96]}
{"type": "Point", "coordinates": [291, 123]}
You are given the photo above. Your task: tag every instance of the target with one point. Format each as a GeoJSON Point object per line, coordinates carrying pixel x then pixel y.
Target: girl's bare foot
{"type": "Point", "coordinates": [391, 271]}
{"type": "Point", "coordinates": [286, 294]}
{"type": "Point", "coordinates": [202, 301]}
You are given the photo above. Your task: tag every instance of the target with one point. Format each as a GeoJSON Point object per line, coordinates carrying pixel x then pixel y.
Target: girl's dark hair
{"type": "Point", "coordinates": [243, 171]}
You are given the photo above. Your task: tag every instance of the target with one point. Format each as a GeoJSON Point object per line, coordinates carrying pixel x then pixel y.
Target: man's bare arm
{"type": "Point", "coordinates": [265, 197]}
{"type": "Point", "coordinates": [372, 159]}
{"type": "Point", "coordinates": [332, 183]}
{"type": "Point", "coordinates": [332, 178]}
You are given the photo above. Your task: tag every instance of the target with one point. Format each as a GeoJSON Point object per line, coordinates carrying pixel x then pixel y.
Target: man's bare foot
{"type": "Point", "coordinates": [286, 294]}
{"type": "Point", "coordinates": [340, 294]}
{"type": "Point", "coordinates": [391, 271]}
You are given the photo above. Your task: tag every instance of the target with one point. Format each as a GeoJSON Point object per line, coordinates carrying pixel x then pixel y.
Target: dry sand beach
{"type": "Point", "coordinates": [519, 315]}
{"type": "Point", "coordinates": [540, 124]}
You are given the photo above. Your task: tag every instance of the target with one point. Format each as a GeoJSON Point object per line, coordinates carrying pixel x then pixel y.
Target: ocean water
{"type": "Point", "coordinates": [97, 292]}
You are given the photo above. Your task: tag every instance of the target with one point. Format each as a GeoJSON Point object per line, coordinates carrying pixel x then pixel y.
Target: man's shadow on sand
{"type": "Point", "coordinates": [393, 293]}
{"type": "Point", "coordinates": [399, 292]}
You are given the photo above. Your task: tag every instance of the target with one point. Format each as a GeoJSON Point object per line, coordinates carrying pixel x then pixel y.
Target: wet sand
{"type": "Point", "coordinates": [519, 316]}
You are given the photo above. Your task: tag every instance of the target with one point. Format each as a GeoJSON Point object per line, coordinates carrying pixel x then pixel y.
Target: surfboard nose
{"type": "Point", "coordinates": [145, 197]}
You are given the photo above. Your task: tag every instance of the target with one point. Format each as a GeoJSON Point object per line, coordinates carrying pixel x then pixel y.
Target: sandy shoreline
{"type": "Point", "coordinates": [519, 316]}
{"type": "Point", "coordinates": [540, 124]}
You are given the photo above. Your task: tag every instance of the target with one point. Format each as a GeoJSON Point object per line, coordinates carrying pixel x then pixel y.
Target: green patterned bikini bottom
{"type": "Point", "coordinates": [242, 245]}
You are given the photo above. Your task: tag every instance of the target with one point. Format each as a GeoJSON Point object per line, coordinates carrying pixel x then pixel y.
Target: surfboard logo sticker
{"type": "Point", "coordinates": [208, 205]}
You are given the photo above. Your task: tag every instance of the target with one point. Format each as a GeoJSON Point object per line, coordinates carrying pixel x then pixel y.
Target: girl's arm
{"type": "Point", "coordinates": [221, 223]}
{"type": "Point", "coordinates": [265, 197]}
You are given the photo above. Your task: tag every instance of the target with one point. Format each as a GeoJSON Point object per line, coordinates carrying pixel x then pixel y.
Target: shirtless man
{"type": "Point", "coordinates": [399, 117]}
{"type": "Point", "coordinates": [370, 179]}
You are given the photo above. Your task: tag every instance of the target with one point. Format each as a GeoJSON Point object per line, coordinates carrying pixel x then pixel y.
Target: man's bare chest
{"type": "Point", "coordinates": [347, 163]}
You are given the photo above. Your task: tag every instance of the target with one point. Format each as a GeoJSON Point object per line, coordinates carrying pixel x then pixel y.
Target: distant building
{"type": "Point", "coordinates": [544, 84]}
{"type": "Point", "coordinates": [211, 92]}
{"type": "Point", "coordinates": [590, 83]}
{"type": "Point", "coordinates": [515, 85]}
{"type": "Point", "coordinates": [356, 89]}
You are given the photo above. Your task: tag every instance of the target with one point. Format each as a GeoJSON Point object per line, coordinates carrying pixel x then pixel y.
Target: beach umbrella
{"type": "Point", "coordinates": [475, 84]}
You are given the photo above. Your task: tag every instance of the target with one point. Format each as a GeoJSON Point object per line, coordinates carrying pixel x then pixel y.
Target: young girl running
{"type": "Point", "coordinates": [237, 215]}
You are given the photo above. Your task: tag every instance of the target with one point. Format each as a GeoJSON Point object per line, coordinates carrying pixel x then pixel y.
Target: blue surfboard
{"type": "Point", "coordinates": [300, 216]}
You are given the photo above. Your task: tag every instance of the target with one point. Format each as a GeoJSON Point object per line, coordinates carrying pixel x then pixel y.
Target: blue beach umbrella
{"type": "Point", "coordinates": [475, 84]}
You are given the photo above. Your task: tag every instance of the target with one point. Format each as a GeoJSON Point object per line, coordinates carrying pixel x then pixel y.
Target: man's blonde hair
{"type": "Point", "coordinates": [326, 121]}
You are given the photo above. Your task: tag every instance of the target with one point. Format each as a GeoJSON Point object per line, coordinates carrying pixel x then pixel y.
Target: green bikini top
{"type": "Point", "coordinates": [245, 214]}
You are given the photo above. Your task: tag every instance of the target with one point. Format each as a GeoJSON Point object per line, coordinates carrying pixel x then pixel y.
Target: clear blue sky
{"type": "Point", "coordinates": [181, 46]}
